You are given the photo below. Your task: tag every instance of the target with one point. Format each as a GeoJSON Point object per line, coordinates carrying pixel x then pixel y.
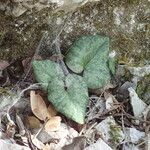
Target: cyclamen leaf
{"type": "Point", "coordinates": [90, 55]}
{"type": "Point", "coordinates": [45, 71]}
{"type": "Point", "coordinates": [112, 63]}
{"type": "Point", "coordinates": [70, 97]}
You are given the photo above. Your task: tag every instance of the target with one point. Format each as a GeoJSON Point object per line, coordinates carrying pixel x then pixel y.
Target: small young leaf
{"type": "Point", "coordinates": [45, 71]}
{"type": "Point", "coordinates": [70, 97]}
{"type": "Point", "coordinates": [90, 55]}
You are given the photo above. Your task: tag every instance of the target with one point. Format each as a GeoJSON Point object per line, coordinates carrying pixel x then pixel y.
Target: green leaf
{"type": "Point", "coordinates": [112, 63]}
{"type": "Point", "coordinates": [90, 55]}
{"type": "Point", "coordinates": [45, 71]}
{"type": "Point", "coordinates": [70, 97]}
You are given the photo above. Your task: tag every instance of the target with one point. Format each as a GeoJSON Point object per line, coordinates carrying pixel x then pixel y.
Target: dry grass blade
{"type": "Point", "coordinates": [38, 106]}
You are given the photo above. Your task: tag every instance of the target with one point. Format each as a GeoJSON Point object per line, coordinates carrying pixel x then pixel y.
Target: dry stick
{"type": "Point", "coordinates": [20, 125]}
{"type": "Point", "coordinates": [30, 143]}
{"type": "Point", "coordinates": [134, 118]}
{"type": "Point", "coordinates": [148, 143]}
{"type": "Point", "coordinates": [123, 128]}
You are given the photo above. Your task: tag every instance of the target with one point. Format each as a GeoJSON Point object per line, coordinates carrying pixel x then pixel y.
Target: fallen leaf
{"type": "Point", "coordinates": [38, 106]}
{"type": "Point", "coordinates": [53, 124]}
{"type": "Point", "coordinates": [32, 122]}
{"type": "Point", "coordinates": [52, 111]}
{"type": "Point", "coordinates": [64, 136]}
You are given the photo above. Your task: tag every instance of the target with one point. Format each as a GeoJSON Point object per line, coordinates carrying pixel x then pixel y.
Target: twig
{"type": "Point", "coordinates": [31, 145]}
{"type": "Point", "coordinates": [20, 125]}
{"type": "Point", "coordinates": [89, 129]}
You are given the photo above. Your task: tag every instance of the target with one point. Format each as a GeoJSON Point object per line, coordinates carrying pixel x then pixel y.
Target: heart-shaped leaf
{"type": "Point", "coordinates": [70, 97]}
{"type": "Point", "coordinates": [45, 71]}
{"type": "Point", "coordinates": [90, 55]}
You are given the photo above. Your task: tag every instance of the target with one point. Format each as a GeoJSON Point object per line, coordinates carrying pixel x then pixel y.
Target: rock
{"type": "Point", "coordinates": [24, 22]}
{"type": "Point", "coordinates": [18, 10]}
{"type": "Point", "coordinates": [140, 71]}
{"type": "Point", "coordinates": [100, 144]}
{"type": "Point", "coordinates": [123, 90]}
{"type": "Point", "coordinates": [133, 135]}
{"type": "Point", "coordinates": [137, 104]}
{"type": "Point", "coordinates": [11, 146]}
{"type": "Point", "coordinates": [110, 131]}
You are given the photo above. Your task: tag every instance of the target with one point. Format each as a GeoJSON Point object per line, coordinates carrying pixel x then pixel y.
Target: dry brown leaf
{"type": "Point", "coordinates": [53, 124]}
{"type": "Point", "coordinates": [32, 122]}
{"type": "Point", "coordinates": [38, 106]}
{"type": "Point", "coordinates": [52, 111]}
{"type": "Point", "coordinates": [47, 147]}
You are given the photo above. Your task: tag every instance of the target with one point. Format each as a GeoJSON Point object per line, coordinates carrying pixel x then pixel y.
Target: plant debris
{"type": "Point", "coordinates": [81, 98]}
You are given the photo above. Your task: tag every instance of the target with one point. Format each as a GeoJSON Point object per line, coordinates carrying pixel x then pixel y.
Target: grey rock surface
{"type": "Point", "coordinates": [23, 23]}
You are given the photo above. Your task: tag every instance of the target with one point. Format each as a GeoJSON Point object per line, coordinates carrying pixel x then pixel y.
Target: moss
{"type": "Point", "coordinates": [6, 91]}
{"type": "Point", "coordinates": [143, 89]}
{"type": "Point", "coordinates": [114, 133]}
{"type": "Point", "coordinates": [132, 48]}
